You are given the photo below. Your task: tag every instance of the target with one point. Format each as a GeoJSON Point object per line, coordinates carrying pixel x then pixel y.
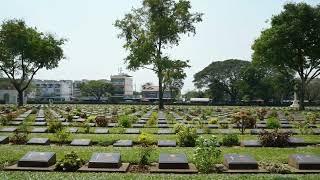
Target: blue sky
{"type": "Point", "coordinates": [93, 50]}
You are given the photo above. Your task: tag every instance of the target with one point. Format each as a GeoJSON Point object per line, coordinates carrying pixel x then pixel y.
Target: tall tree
{"type": "Point", "coordinates": [96, 88]}
{"type": "Point", "coordinates": [24, 51]}
{"type": "Point", "coordinates": [173, 78]}
{"type": "Point", "coordinates": [292, 43]}
{"type": "Point", "coordinates": [221, 74]}
{"type": "Point", "coordinates": [153, 28]}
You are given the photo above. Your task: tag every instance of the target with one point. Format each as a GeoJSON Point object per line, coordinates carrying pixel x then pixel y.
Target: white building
{"type": "Point", "coordinates": [123, 85]}
{"type": "Point", "coordinates": [45, 90]}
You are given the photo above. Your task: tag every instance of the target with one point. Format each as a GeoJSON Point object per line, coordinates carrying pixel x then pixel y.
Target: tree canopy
{"type": "Point", "coordinates": [96, 89]}
{"type": "Point", "coordinates": [24, 51]}
{"type": "Point", "coordinates": [292, 43]}
{"type": "Point", "coordinates": [154, 27]}
{"type": "Point", "coordinates": [224, 75]}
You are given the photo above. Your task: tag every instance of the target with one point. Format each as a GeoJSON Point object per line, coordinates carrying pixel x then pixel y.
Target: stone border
{"type": "Point", "coordinates": [122, 169]}
{"type": "Point", "coordinates": [16, 168]}
{"type": "Point", "coordinates": [241, 171]}
{"type": "Point", "coordinates": [154, 168]}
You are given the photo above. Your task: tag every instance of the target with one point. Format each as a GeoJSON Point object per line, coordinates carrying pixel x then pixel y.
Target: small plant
{"type": "Point", "coordinates": [230, 140]}
{"type": "Point", "coordinates": [124, 121]}
{"type": "Point", "coordinates": [144, 155]}
{"type": "Point", "coordinates": [311, 118]}
{"type": "Point", "coordinates": [62, 136]}
{"type": "Point", "coordinates": [187, 136]}
{"type": "Point", "coordinates": [55, 126]}
{"type": "Point", "coordinates": [274, 139]}
{"type": "Point", "coordinates": [70, 163]}
{"type": "Point", "coordinates": [261, 113]}
{"type": "Point", "coordinates": [146, 139]}
{"type": "Point", "coordinates": [86, 127]}
{"type": "Point", "coordinates": [206, 153]}
{"type": "Point", "coordinates": [68, 109]}
{"type": "Point", "coordinates": [69, 118]}
{"type": "Point", "coordinates": [273, 113]}
{"type": "Point", "coordinates": [303, 127]}
{"type": "Point", "coordinates": [275, 168]}
{"type": "Point", "coordinates": [213, 121]}
{"type": "Point", "coordinates": [152, 121]}
{"type": "Point", "coordinates": [34, 111]}
{"type": "Point", "coordinates": [273, 123]}
{"type": "Point", "coordinates": [224, 126]}
{"type": "Point", "coordinates": [3, 120]}
{"type": "Point", "coordinates": [178, 127]}
{"type": "Point", "coordinates": [244, 120]}
{"type": "Point", "coordinates": [101, 121]}
{"type": "Point", "coordinates": [19, 138]}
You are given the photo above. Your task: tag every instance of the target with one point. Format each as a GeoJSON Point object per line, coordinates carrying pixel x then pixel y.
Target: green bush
{"type": "Point", "coordinates": [146, 139]}
{"type": "Point", "coordinates": [213, 121]}
{"type": "Point", "coordinates": [70, 163]}
{"type": "Point", "coordinates": [230, 140]}
{"type": "Point", "coordinates": [55, 126]}
{"type": "Point", "coordinates": [206, 154]}
{"type": "Point", "coordinates": [273, 123]}
{"type": "Point", "coordinates": [187, 137]}
{"type": "Point", "coordinates": [152, 121]}
{"type": "Point", "coordinates": [311, 117]}
{"type": "Point", "coordinates": [144, 155]}
{"type": "Point", "coordinates": [275, 168]}
{"type": "Point", "coordinates": [124, 121]}
{"type": "Point", "coordinates": [178, 127]}
{"type": "Point", "coordinates": [62, 136]}
{"type": "Point", "coordinates": [69, 118]}
{"type": "Point", "coordinates": [3, 120]}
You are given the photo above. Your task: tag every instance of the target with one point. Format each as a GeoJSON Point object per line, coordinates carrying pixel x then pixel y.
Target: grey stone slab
{"type": "Point", "coordinates": [261, 126]}
{"type": "Point", "coordinates": [236, 161]}
{"type": "Point", "coordinates": [173, 161]}
{"type": "Point", "coordinates": [40, 119]}
{"type": "Point", "coordinates": [251, 143]}
{"type": "Point", "coordinates": [304, 161]}
{"type": "Point", "coordinates": [37, 159]}
{"type": "Point", "coordinates": [167, 143]}
{"type": "Point", "coordinates": [316, 131]}
{"type": "Point", "coordinates": [65, 123]}
{"type": "Point", "coordinates": [40, 123]}
{"type": "Point", "coordinates": [256, 131]}
{"type": "Point", "coordinates": [105, 160]}
{"type": "Point", "coordinates": [286, 126]}
{"type": "Point", "coordinates": [213, 126]}
{"type": "Point", "coordinates": [15, 123]}
{"type": "Point", "coordinates": [81, 142]}
{"type": "Point", "coordinates": [296, 141]}
{"type": "Point", "coordinates": [73, 130]}
{"type": "Point", "coordinates": [39, 130]}
{"type": "Point", "coordinates": [101, 131]}
{"type": "Point", "coordinates": [20, 119]}
{"type": "Point", "coordinates": [4, 139]}
{"type": "Point", "coordinates": [200, 131]}
{"type": "Point", "coordinates": [123, 143]}
{"type": "Point", "coordinates": [8, 129]}
{"type": "Point", "coordinates": [163, 126]}
{"type": "Point", "coordinates": [112, 124]}
{"type": "Point", "coordinates": [132, 131]}
{"type": "Point", "coordinates": [165, 131]}
{"type": "Point", "coordinates": [39, 141]}
{"type": "Point", "coordinates": [137, 125]}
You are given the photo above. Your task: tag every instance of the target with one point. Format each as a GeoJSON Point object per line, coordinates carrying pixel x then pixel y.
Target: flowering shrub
{"type": "Point", "coordinates": [71, 162]}
{"type": "Point", "coordinates": [243, 120]}
{"type": "Point", "coordinates": [206, 153]}
{"type": "Point", "coordinates": [261, 113]}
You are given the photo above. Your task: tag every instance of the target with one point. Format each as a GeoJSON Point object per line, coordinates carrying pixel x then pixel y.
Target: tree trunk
{"type": "Point", "coordinates": [20, 98]}
{"type": "Point", "coordinates": [301, 96]}
{"type": "Point", "coordinates": [161, 105]}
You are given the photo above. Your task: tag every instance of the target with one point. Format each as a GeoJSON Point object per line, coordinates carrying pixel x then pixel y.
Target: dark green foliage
{"type": "Point", "coordinates": [273, 123]}
{"type": "Point", "coordinates": [55, 126]}
{"type": "Point", "coordinates": [70, 163]}
{"type": "Point", "coordinates": [124, 121]}
{"type": "Point", "coordinates": [230, 140]}
{"type": "Point", "coordinates": [187, 136]}
{"type": "Point", "coordinates": [19, 138]}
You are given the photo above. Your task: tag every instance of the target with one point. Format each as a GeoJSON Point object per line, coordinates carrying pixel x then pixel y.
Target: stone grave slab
{"type": "Point", "coordinates": [123, 143]}
{"type": "Point", "coordinates": [296, 141]}
{"type": "Point", "coordinates": [261, 126]}
{"type": "Point", "coordinates": [8, 129]}
{"type": "Point", "coordinates": [40, 123]}
{"type": "Point", "coordinates": [316, 131]}
{"type": "Point", "coordinates": [286, 126]}
{"type": "Point", "coordinates": [251, 143]}
{"type": "Point", "coordinates": [213, 126]}
{"type": "Point", "coordinates": [137, 125]}
{"type": "Point", "coordinates": [38, 141]}
{"type": "Point", "coordinates": [40, 119]}
{"type": "Point", "coordinates": [101, 131]}
{"type": "Point", "coordinates": [163, 126]}
{"type": "Point", "coordinates": [65, 123]}
{"type": "Point", "coordinates": [4, 139]}
{"type": "Point", "coordinates": [132, 131]}
{"type": "Point", "coordinates": [141, 122]}
{"type": "Point", "coordinates": [167, 143]}
{"type": "Point", "coordinates": [15, 123]}
{"type": "Point", "coordinates": [81, 142]}
{"type": "Point", "coordinates": [304, 161]}
{"type": "Point", "coordinates": [162, 122]}
{"type": "Point", "coordinates": [173, 161]}
{"type": "Point", "coordinates": [165, 131]}
{"type": "Point", "coordinates": [20, 119]}
{"type": "Point", "coordinates": [39, 130]}
{"type": "Point", "coordinates": [256, 131]}
{"type": "Point", "coordinates": [112, 124]}
{"type": "Point", "coordinates": [239, 162]}
{"type": "Point", "coordinates": [35, 161]}
{"type": "Point", "coordinates": [105, 162]}
{"type": "Point", "coordinates": [73, 130]}
{"type": "Point", "coordinates": [200, 131]}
